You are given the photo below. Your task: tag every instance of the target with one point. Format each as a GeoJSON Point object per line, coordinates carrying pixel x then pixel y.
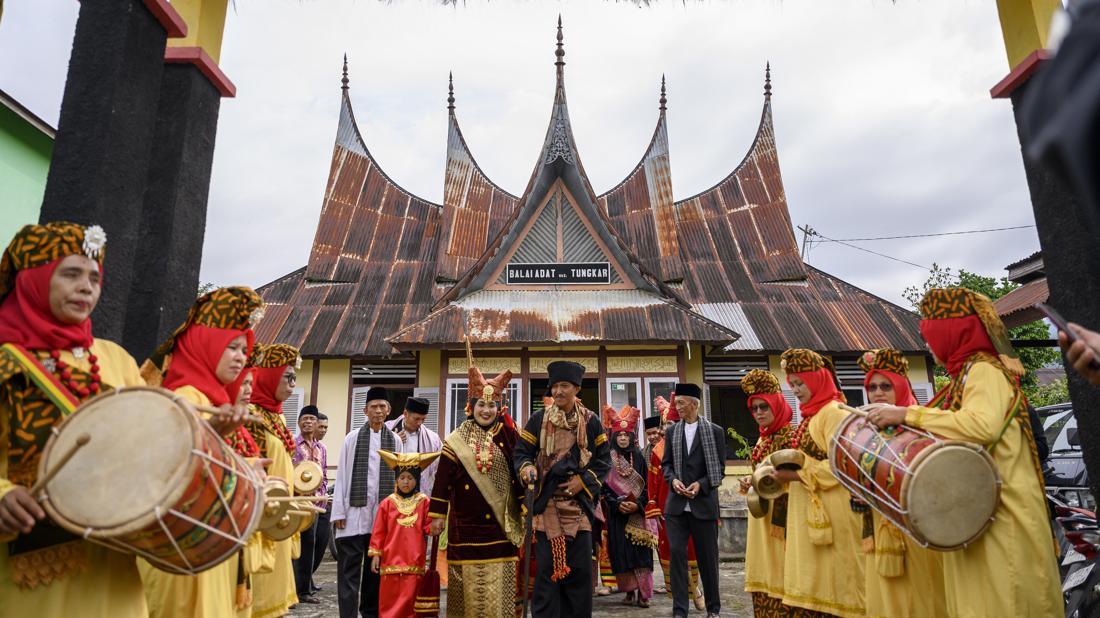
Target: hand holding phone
{"type": "Point", "coordinates": [1077, 349]}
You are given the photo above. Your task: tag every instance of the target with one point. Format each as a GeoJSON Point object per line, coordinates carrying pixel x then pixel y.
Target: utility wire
{"type": "Point", "coordinates": [813, 232]}
{"type": "Point", "coordinates": [997, 229]}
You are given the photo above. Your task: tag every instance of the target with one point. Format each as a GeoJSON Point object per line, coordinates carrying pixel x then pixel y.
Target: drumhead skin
{"type": "Point", "coordinates": [135, 461]}
{"type": "Point", "coordinates": [952, 495]}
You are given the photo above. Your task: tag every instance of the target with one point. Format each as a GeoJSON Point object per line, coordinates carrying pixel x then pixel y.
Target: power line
{"type": "Point", "coordinates": [996, 229]}
{"type": "Point", "coordinates": [813, 232]}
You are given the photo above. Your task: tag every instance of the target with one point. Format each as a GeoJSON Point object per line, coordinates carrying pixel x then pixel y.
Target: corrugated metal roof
{"type": "Point", "coordinates": [556, 316]}
{"type": "Point", "coordinates": [379, 252]}
{"type": "Point", "coordinates": [474, 209]}
{"type": "Point", "coordinates": [1017, 307]}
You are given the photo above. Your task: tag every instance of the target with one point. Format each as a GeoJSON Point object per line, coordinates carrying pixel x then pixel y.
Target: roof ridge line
{"type": "Point", "coordinates": [452, 118]}
{"type": "Point", "coordinates": [345, 104]}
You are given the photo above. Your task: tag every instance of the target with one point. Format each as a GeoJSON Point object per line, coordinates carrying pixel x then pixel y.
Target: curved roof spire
{"type": "Point", "coordinates": [451, 91]}
{"type": "Point", "coordinates": [344, 80]}
{"type": "Point", "coordinates": [559, 53]}
{"type": "Point", "coordinates": [768, 81]}
{"type": "Point", "coordinates": [663, 100]}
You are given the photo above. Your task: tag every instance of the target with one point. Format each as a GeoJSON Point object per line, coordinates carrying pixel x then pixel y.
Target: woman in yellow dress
{"type": "Point", "coordinates": [903, 579]}
{"type": "Point", "coordinates": [767, 535]}
{"type": "Point", "coordinates": [823, 568]}
{"type": "Point", "coordinates": [274, 366]}
{"type": "Point", "coordinates": [50, 281]}
{"type": "Point", "coordinates": [201, 358]}
{"type": "Point", "coordinates": [1011, 570]}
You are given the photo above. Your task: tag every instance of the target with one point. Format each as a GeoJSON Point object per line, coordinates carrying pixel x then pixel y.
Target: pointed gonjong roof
{"type": "Point", "coordinates": [388, 268]}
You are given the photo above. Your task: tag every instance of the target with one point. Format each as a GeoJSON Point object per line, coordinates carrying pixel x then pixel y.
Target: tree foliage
{"type": "Point", "coordinates": [1049, 394]}
{"type": "Point", "coordinates": [994, 288]}
{"type": "Point", "coordinates": [206, 287]}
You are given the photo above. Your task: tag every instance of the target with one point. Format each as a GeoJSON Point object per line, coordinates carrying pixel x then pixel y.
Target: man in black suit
{"type": "Point", "coordinates": [693, 464]}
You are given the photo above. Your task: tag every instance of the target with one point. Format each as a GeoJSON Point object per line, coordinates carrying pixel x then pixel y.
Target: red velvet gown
{"type": "Point", "coordinates": [398, 537]}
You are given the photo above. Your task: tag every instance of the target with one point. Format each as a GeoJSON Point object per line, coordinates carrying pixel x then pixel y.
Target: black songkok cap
{"type": "Point", "coordinates": [652, 422]}
{"type": "Point", "coordinates": [565, 371]}
{"type": "Point", "coordinates": [377, 392]}
{"type": "Point", "coordinates": [417, 404]}
{"type": "Point", "coordinates": [689, 390]}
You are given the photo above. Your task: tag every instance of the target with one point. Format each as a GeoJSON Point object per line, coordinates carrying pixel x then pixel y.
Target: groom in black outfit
{"type": "Point", "coordinates": [693, 464]}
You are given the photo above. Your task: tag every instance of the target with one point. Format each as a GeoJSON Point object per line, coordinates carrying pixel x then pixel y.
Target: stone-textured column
{"type": "Point", "coordinates": [105, 134]}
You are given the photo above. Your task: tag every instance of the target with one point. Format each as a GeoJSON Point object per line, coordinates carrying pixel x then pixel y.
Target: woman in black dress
{"type": "Point", "coordinates": [631, 538]}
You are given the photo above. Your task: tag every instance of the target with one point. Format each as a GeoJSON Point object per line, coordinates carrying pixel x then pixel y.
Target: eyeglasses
{"type": "Point", "coordinates": [760, 407]}
{"type": "Point", "coordinates": [886, 388]}
{"type": "Point", "coordinates": [291, 378]}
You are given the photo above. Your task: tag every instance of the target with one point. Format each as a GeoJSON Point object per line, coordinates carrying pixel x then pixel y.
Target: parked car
{"type": "Point", "coordinates": [1066, 476]}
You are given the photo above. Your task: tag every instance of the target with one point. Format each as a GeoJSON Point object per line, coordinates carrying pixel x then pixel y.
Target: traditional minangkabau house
{"type": "Point", "coordinates": [641, 288]}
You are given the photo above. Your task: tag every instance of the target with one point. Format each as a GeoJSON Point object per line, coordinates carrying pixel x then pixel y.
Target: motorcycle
{"type": "Point", "coordinates": [1078, 535]}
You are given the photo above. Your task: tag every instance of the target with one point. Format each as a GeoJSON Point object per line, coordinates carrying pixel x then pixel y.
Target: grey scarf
{"type": "Point", "coordinates": [361, 465]}
{"type": "Point", "coordinates": [710, 450]}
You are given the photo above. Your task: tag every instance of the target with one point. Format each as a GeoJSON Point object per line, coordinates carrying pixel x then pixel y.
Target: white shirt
{"type": "Point", "coordinates": [689, 438]}
{"type": "Point", "coordinates": [423, 440]}
{"type": "Point", "coordinates": [358, 519]}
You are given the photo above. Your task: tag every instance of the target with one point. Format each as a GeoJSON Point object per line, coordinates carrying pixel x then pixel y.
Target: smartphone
{"type": "Point", "coordinates": [1057, 319]}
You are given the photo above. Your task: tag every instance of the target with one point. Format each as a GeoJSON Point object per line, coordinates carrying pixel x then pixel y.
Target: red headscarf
{"type": "Point", "coordinates": [266, 383]}
{"type": "Point", "coordinates": [954, 340]}
{"type": "Point", "coordinates": [780, 408]}
{"type": "Point", "coordinates": [822, 390]}
{"type": "Point", "coordinates": [195, 360]}
{"type": "Point", "coordinates": [903, 393]}
{"type": "Point", "coordinates": [26, 318]}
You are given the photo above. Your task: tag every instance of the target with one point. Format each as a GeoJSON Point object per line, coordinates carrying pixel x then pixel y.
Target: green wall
{"type": "Point", "coordinates": [24, 162]}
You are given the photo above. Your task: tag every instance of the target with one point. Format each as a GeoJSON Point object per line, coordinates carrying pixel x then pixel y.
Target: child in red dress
{"type": "Point", "coordinates": [397, 543]}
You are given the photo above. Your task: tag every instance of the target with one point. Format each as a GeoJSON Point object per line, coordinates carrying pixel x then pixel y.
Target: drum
{"type": "Point", "coordinates": [943, 493]}
{"type": "Point", "coordinates": [154, 480]}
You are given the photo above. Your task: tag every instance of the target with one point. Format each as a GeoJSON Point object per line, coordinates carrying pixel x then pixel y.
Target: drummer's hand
{"type": "Point", "coordinates": [885, 415]}
{"type": "Point", "coordinates": [260, 466]}
{"type": "Point", "coordinates": [786, 476]}
{"type": "Point", "coordinates": [19, 512]}
{"type": "Point", "coordinates": [375, 562]}
{"type": "Point", "coordinates": [746, 483]}
{"type": "Point", "coordinates": [339, 523]}
{"type": "Point", "coordinates": [228, 419]}
{"type": "Point", "coordinates": [436, 526]}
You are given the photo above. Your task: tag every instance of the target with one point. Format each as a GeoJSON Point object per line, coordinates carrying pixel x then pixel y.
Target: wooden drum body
{"type": "Point", "coordinates": [943, 493]}
{"type": "Point", "coordinates": [154, 480]}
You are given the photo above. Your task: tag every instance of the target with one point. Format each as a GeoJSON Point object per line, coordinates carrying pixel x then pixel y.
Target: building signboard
{"type": "Point", "coordinates": [572, 273]}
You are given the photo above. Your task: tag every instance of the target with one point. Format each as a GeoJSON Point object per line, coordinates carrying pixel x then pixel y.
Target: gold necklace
{"type": "Point", "coordinates": [406, 508]}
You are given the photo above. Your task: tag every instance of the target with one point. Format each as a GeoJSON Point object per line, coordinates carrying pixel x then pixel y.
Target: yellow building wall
{"type": "Point", "coordinates": [427, 369]}
{"type": "Point", "coordinates": [693, 368]}
{"type": "Point", "coordinates": [333, 390]}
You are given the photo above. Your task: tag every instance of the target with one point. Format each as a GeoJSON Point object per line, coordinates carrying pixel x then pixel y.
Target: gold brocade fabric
{"type": "Point", "coordinates": [482, 590]}
{"type": "Point", "coordinates": [33, 417]}
{"type": "Point", "coordinates": [270, 423]}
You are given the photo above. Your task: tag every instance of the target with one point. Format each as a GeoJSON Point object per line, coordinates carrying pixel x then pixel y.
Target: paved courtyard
{"type": "Point", "coordinates": [735, 603]}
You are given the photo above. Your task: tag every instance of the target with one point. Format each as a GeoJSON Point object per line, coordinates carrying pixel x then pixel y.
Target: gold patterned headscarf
{"type": "Point", "coordinates": [955, 303]}
{"type": "Point", "coordinates": [884, 359]}
{"type": "Point", "coordinates": [37, 245]}
{"type": "Point", "coordinates": [235, 308]}
{"type": "Point", "coordinates": [759, 381]}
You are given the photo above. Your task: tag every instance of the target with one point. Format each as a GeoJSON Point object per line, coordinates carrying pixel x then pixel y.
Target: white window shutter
{"type": "Point", "coordinates": [358, 406]}
{"type": "Point", "coordinates": [793, 402]}
{"type": "Point", "coordinates": [432, 395]}
{"type": "Point", "coordinates": [291, 407]}
{"type": "Point", "coordinates": [924, 391]}
{"type": "Point", "coordinates": [705, 412]}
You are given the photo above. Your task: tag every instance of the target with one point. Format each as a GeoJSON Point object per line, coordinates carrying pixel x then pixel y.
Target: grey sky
{"type": "Point", "coordinates": [882, 112]}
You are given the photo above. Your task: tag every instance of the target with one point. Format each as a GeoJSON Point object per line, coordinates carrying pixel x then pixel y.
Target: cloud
{"type": "Point", "coordinates": [882, 113]}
